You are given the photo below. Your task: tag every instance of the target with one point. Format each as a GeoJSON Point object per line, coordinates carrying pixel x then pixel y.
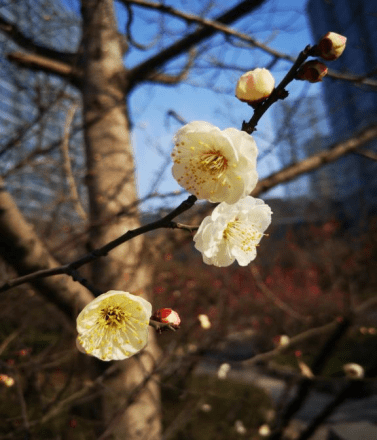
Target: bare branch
{"type": "Point", "coordinates": [67, 163]}
{"type": "Point", "coordinates": [24, 251]}
{"type": "Point", "coordinates": [14, 33]}
{"type": "Point", "coordinates": [226, 30]}
{"type": "Point", "coordinates": [276, 300]}
{"type": "Point", "coordinates": [39, 62]}
{"type": "Point", "coordinates": [314, 162]}
{"type": "Point", "coordinates": [164, 78]}
{"type": "Point", "coordinates": [71, 269]}
{"type": "Point", "coordinates": [140, 72]}
{"type": "Point", "coordinates": [216, 25]}
{"type": "Point", "coordinates": [367, 153]}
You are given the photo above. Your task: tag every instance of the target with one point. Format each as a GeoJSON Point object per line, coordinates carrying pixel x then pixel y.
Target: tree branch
{"type": "Point", "coordinates": [16, 35]}
{"type": "Point", "coordinates": [39, 62]}
{"type": "Point", "coordinates": [164, 78]}
{"type": "Point", "coordinates": [71, 269]}
{"type": "Point", "coordinates": [316, 161]}
{"type": "Point", "coordinates": [140, 72]}
{"type": "Point", "coordinates": [24, 251]}
{"type": "Point", "coordinates": [226, 30]}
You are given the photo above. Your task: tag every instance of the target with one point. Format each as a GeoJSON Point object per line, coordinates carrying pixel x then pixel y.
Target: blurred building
{"type": "Point", "coordinates": [350, 107]}
{"type": "Point", "coordinates": [302, 130]}
{"type": "Point", "coordinates": [33, 108]}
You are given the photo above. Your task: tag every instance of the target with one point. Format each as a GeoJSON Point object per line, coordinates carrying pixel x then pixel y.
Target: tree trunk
{"type": "Point", "coordinates": [111, 186]}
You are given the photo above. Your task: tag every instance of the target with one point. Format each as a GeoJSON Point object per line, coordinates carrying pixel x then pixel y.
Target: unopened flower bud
{"type": "Point", "coordinates": [312, 71]}
{"type": "Point", "coordinates": [264, 430]}
{"type": "Point", "coordinates": [331, 46]}
{"type": "Point", "coordinates": [255, 86]}
{"type": "Point", "coordinates": [281, 340]}
{"type": "Point", "coordinates": [206, 408]}
{"type": "Point", "coordinates": [223, 371]}
{"type": "Point", "coordinates": [240, 427]}
{"type": "Point", "coordinates": [6, 380]}
{"type": "Point", "coordinates": [204, 321]}
{"type": "Point", "coordinates": [354, 371]}
{"type": "Point", "coordinates": [167, 316]}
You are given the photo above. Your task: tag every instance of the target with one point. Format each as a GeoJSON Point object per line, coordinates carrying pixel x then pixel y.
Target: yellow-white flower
{"type": "Point", "coordinates": [114, 326]}
{"type": "Point", "coordinates": [219, 166]}
{"type": "Point", "coordinates": [232, 232]}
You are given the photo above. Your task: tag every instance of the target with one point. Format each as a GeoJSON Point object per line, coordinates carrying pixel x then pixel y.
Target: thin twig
{"type": "Point", "coordinates": [278, 93]}
{"type": "Point", "coordinates": [71, 268]}
{"type": "Point", "coordinates": [67, 162]}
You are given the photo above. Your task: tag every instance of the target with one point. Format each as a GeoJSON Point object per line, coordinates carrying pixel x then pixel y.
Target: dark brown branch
{"type": "Point", "coordinates": [316, 161]}
{"type": "Point", "coordinates": [23, 250]}
{"type": "Point", "coordinates": [305, 384]}
{"type": "Point", "coordinates": [367, 153]}
{"type": "Point", "coordinates": [70, 269]}
{"type": "Point", "coordinates": [39, 62]}
{"type": "Point", "coordinates": [278, 93]}
{"type": "Point", "coordinates": [164, 78]}
{"type": "Point", "coordinates": [140, 72]}
{"type": "Point", "coordinates": [191, 18]}
{"type": "Point", "coordinates": [14, 33]}
{"type": "Point", "coordinates": [219, 27]}
{"type": "Point", "coordinates": [346, 392]}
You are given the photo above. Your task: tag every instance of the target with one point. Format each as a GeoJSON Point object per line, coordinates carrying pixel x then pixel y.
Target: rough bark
{"type": "Point", "coordinates": [111, 186]}
{"type": "Point", "coordinates": [22, 249]}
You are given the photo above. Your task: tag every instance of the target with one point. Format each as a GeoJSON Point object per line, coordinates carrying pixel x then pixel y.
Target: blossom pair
{"type": "Point", "coordinates": [114, 326]}
{"type": "Point", "coordinates": [220, 166]}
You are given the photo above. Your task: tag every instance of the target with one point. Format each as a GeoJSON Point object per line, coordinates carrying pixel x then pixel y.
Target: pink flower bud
{"type": "Point", "coordinates": [331, 46]}
{"type": "Point", "coordinates": [255, 86]}
{"type": "Point", "coordinates": [312, 71]}
{"type": "Point", "coordinates": [167, 316]}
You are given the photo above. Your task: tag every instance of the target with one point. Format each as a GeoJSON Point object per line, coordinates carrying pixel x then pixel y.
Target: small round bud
{"type": "Point", "coordinates": [6, 380]}
{"type": "Point", "coordinates": [240, 427]}
{"type": "Point", "coordinates": [204, 321]}
{"type": "Point", "coordinates": [281, 340]}
{"type": "Point", "coordinates": [353, 371]}
{"type": "Point", "coordinates": [167, 316]}
{"type": "Point", "coordinates": [206, 408]}
{"type": "Point", "coordinates": [255, 86]}
{"type": "Point", "coordinates": [223, 371]}
{"type": "Point", "coordinates": [331, 46]}
{"type": "Point", "coordinates": [264, 430]}
{"type": "Point", "coordinates": [312, 71]}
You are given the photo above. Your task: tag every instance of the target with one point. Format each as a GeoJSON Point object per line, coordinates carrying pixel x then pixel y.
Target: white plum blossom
{"type": "Point", "coordinates": [114, 326]}
{"type": "Point", "coordinates": [232, 232]}
{"type": "Point", "coordinates": [215, 165]}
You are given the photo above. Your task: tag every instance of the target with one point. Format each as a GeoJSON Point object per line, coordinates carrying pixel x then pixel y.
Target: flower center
{"type": "Point", "coordinates": [213, 162]}
{"type": "Point", "coordinates": [242, 235]}
{"type": "Point", "coordinates": [112, 316]}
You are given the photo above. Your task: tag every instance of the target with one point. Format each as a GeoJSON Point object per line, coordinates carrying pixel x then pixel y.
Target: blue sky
{"type": "Point", "coordinates": [281, 24]}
